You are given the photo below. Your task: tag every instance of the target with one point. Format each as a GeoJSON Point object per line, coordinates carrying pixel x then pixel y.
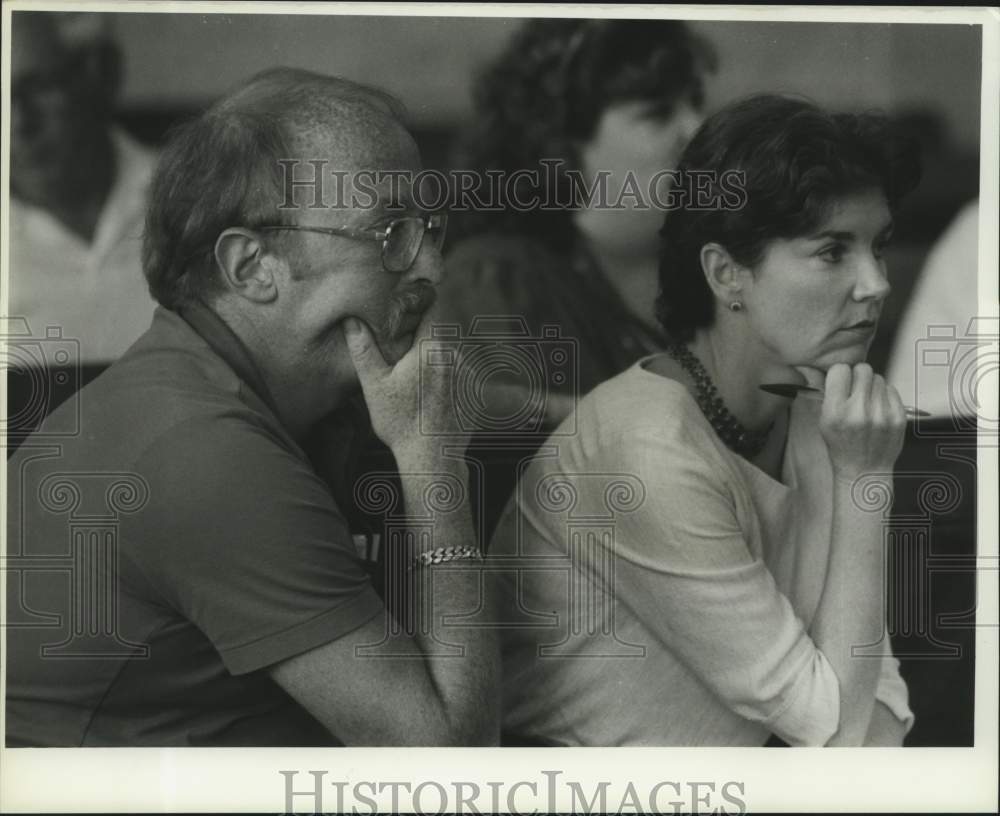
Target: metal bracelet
{"type": "Point", "coordinates": [443, 554]}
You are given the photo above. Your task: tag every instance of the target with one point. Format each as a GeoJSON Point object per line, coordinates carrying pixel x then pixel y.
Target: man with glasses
{"type": "Point", "coordinates": [238, 610]}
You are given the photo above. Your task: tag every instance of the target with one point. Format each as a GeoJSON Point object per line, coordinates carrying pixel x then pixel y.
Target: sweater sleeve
{"type": "Point", "coordinates": [684, 564]}
{"type": "Point", "coordinates": [893, 693]}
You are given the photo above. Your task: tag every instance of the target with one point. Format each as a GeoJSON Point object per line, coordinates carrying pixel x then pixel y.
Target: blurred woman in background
{"type": "Point", "coordinates": [697, 563]}
{"type": "Point", "coordinates": [612, 96]}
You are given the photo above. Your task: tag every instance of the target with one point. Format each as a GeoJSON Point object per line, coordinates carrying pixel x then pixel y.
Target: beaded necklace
{"type": "Point", "coordinates": [729, 429]}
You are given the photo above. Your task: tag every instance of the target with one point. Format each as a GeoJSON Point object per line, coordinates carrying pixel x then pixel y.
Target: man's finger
{"type": "Point", "coordinates": [365, 353]}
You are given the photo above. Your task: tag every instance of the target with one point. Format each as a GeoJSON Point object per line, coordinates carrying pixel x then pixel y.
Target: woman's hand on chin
{"type": "Point", "coordinates": [862, 421]}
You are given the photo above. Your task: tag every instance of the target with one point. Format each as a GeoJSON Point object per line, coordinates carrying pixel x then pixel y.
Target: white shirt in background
{"type": "Point", "coordinates": [94, 292]}
{"type": "Point", "coordinates": [937, 332]}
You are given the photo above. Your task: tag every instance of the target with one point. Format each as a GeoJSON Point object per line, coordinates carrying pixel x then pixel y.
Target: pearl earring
{"type": "Point", "coordinates": [736, 306]}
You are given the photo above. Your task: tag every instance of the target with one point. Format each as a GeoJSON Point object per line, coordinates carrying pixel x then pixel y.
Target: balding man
{"type": "Point", "coordinates": [78, 188]}
{"type": "Point", "coordinates": [223, 601]}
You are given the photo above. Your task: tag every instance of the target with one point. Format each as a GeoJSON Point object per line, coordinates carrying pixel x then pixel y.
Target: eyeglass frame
{"type": "Point", "coordinates": [433, 222]}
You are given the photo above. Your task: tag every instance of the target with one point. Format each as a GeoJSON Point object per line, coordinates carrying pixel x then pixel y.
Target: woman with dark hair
{"type": "Point", "coordinates": [701, 563]}
{"type": "Point", "coordinates": [591, 97]}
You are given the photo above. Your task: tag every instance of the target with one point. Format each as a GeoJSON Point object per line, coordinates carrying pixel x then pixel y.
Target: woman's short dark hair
{"type": "Point", "coordinates": [794, 160]}
{"type": "Point", "coordinates": [546, 92]}
{"type": "Point", "coordinates": [223, 170]}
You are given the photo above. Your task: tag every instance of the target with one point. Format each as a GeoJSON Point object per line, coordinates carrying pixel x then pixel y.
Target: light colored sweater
{"type": "Point", "coordinates": [661, 588]}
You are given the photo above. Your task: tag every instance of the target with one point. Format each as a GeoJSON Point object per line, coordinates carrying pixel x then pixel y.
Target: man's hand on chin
{"type": "Point", "coordinates": [410, 402]}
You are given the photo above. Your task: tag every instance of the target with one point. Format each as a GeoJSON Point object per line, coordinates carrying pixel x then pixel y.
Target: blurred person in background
{"type": "Point", "coordinates": [78, 187]}
{"type": "Point", "coordinates": [600, 95]}
{"type": "Point", "coordinates": [941, 308]}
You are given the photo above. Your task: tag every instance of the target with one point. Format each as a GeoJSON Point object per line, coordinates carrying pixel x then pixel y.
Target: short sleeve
{"type": "Point", "coordinates": [685, 569]}
{"type": "Point", "coordinates": [242, 538]}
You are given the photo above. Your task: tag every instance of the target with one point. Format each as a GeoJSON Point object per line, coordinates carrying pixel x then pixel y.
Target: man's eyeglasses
{"type": "Point", "coordinates": [401, 238]}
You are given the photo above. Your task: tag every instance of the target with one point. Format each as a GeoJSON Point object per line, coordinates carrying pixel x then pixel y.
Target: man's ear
{"type": "Point", "coordinates": [245, 267]}
{"type": "Point", "coordinates": [725, 277]}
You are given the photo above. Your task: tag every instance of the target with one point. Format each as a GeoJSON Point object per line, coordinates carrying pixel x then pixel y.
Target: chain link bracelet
{"type": "Point", "coordinates": [443, 554]}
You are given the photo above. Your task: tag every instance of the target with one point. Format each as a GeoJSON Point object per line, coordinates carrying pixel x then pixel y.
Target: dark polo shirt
{"type": "Point", "coordinates": [167, 552]}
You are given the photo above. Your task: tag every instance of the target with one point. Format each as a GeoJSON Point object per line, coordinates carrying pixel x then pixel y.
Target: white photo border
{"type": "Point", "coordinates": [853, 780]}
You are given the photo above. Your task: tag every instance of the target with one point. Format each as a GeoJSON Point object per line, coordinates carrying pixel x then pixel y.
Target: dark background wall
{"type": "Point", "coordinates": [183, 59]}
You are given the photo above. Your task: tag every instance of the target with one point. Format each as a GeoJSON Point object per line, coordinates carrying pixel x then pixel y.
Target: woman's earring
{"type": "Point", "coordinates": [736, 306]}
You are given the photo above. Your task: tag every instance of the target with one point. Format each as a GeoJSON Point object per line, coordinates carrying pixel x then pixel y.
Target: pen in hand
{"type": "Point", "coordinates": [792, 390]}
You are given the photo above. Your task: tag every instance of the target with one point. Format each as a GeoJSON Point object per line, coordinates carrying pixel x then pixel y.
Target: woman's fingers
{"type": "Point", "coordinates": [837, 388]}
{"type": "Point", "coordinates": [878, 401]}
{"type": "Point", "coordinates": [862, 380]}
{"type": "Point", "coordinates": [863, 420]}
{"type": "Point", "coordinates": [896, 409]}
{"type": "Point", "coordinates": [814, 377]}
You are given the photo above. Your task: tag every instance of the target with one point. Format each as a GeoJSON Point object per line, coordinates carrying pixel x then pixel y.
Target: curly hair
{"type": "Point", "coordinates": [545, 94]}
{"type": "Point", "coordinates": [794, 160]}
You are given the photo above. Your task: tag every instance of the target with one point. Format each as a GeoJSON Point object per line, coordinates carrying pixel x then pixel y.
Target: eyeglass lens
{"type": "Point", "coordinates": [405, 237]}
